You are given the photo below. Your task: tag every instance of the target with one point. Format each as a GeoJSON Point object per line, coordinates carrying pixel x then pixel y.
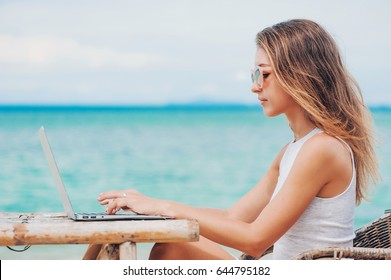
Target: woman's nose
{"type": "Point", "coordinates": [255, 88]}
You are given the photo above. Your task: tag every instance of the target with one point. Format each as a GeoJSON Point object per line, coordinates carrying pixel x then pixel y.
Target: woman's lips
{"type": "Point", "coordinates": [262, 100]}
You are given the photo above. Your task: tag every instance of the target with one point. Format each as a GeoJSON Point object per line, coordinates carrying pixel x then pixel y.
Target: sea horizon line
{"type": "Point", "coordinates": [195, 105]}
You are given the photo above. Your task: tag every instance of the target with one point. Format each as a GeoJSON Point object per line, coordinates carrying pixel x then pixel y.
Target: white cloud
{"type": "Point", "coordinates": [48, 53]}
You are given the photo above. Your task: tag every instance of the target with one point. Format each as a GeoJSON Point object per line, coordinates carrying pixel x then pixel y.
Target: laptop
{"type": "Point", "coordinates": [67, 203]}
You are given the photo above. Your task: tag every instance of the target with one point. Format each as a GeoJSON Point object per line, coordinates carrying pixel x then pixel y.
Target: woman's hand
{"type": "Point", "coordinates": [134, 201]}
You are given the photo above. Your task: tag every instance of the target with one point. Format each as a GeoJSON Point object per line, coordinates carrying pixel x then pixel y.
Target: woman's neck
{"type": "Point", "coordinates": [300, 125]}
{"type": "Point", "coordinates": [300, 132]}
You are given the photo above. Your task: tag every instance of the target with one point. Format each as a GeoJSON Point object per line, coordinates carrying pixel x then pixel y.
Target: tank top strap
{"type": "Point", "coordinates": [350, 150]}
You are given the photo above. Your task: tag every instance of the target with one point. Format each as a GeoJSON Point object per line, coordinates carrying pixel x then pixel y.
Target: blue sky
{"type": "Point", "coordinates": [160, 52]}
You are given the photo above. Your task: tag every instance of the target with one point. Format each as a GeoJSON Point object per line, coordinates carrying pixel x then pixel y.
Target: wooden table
{"type": "Point", "coordinates": [107, 239]}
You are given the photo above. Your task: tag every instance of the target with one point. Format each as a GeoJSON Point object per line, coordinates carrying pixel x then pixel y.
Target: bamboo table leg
{"type": "Point", "coordinates": [128, 251]}
{"type": "Point", "coordinates": [92, 252]}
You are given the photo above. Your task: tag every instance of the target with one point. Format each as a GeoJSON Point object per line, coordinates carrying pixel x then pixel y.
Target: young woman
{"type": "Point", "coordinates": [307, 197]}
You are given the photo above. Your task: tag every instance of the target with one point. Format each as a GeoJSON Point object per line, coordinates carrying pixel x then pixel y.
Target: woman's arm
{"type": "Point", "coordinates": [246, 209]}
{"type": "Point", "coordinates": [318, 164]}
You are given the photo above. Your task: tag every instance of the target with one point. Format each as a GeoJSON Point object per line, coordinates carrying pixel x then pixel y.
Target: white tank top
{"type": "Point", "coordinates": [327, 222]}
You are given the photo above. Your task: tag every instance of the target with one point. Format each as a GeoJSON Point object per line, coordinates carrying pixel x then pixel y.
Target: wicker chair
{"type": "Point", "coordinates": [372, 242]}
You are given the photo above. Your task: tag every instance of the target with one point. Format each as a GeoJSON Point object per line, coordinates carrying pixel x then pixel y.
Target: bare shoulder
{"type": "Point", "coordinates": [328, 150]}
{"type": "Point", "coordinates": [325, 162]}
{"type": "Point", "coordinates": [325, 145]}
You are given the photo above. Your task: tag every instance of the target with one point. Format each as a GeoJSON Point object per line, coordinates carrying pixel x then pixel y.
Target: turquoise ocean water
{"type": "Point", "coordinates": [203, 156]}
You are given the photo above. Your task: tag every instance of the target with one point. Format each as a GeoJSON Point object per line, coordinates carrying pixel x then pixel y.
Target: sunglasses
{"type": "Point", "coordinates": [257, 75]}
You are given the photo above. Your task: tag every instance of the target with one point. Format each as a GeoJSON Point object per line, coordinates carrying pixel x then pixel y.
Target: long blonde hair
{"type": "Point", "coordinates": [308, 66]}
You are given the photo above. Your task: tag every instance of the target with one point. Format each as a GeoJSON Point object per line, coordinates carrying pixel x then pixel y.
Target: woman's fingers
{"type": "Point", "coordinates": [112, 207]}
{"type": "Point", "coordinates": [116, 204]}
{"type": "Point", "coordinates": [126, 200]}
{"type": "Point", "coordinates": [109, 195]}
{"type": "Point", "coordinates": [116, 194]}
